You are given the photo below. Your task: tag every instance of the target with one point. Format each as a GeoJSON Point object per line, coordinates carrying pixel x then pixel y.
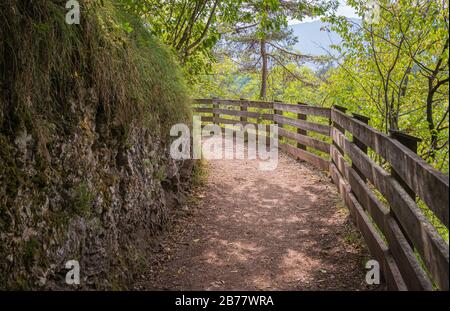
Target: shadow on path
{"type": "Point", "coordinates": [254, 230]}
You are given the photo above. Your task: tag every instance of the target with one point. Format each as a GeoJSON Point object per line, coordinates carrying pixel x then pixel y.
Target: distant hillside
{"type": "Point", "coordinates": [313, 38]}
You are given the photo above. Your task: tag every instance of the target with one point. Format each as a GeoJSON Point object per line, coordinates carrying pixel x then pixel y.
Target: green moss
{"type": "Point", "coordinates": [200, 173]}
{"type": "Point", "coordinates": [83, 201]}
{"type": "Point", "coordinates": [10, 171]}
{"type": "Point", "coordinates": [59, 219]}
{"type": "Point", "coordinates": [31, 251]}
{"type": "Point", "coordinates": [160, 174]}
{"type": "Point", "coordinates": [147, 163]}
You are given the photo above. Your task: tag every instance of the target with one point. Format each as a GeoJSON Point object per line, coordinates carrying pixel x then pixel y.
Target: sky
{"type": "Point", "coordinates": [343, 10]}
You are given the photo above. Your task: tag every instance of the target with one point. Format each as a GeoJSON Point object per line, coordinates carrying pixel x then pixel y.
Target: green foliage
{"type": "Point", "coordinates": [262, 39]}
{"type": "Point", "coordinates": [395, 70]}
{"type": "Point", "coordinates": [440, 227]}
{"type": "Point", "coordinates": [191, 28]}
{"type": "Point", "coordinates": [299, 84]}
{"type": "Point", "coordinates": [83, 200]}
{"type": "Point", "coordinates": [161, 174]}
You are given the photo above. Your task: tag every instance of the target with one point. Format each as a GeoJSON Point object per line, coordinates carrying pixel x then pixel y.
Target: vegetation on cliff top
{"type": "Point", "coordinates": [46, 65]}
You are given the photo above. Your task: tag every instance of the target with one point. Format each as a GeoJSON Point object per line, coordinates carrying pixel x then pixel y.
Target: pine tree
{"type": "Point", "coordinates": [262, 36]}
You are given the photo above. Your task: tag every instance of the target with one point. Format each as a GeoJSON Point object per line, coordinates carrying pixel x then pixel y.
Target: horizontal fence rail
{"type": "Point", "coordinates": [387, 201]}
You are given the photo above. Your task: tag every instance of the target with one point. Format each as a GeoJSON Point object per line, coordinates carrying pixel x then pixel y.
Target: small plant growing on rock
{"type": "Point", "coordinates": [83, 200]}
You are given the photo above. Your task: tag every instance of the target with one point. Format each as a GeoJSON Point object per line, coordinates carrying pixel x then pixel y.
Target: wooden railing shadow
{"type": "Point", "coordinates": [384, 203]}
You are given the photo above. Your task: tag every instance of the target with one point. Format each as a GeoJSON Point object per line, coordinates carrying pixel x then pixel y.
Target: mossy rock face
{"type": "Point", "coordinates": [12, 175]}
{"type": "Point", "coordinates": [89, 207]}
{"type": "Point", "coordinates": [85, 114]}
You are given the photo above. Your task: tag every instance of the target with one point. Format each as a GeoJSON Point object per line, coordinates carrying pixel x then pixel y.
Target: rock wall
{"type": "Point", "coordinates": [94, 195]}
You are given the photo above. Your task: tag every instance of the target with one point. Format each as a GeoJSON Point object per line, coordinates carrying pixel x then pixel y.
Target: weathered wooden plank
{"type": "Point", "coordinates": [237, 113]}
{"type": "Point", "coordinates": [239, 103]}
{"type": "Point", "coordinates": [233, 102]}
{"type": "Point", "coordinates": [358, 143]}
{"type": "Point", "coordinates": [243, 118]}
{"type": "Point", "coordinates": [362, 192]}
{"type": "Point", "coordinates": [302, 116]}
{"type": "Point", "coordinates": [305, 140]}
{"type": "Point", "coordinates": [257, 104]}
{"type": "Point", "coordinates": [428, 183]}
{"type": "Point", "coordinates": [307, 110]}
{"type": "Point", "coordinates": [230, 122]}
{"type": "Point", "coordinates": [215, 106]}
{"type": "Point", "coordinates": [304, 125]}
{"type": "Point", "coordinates": [235, 122]}
{"type": "Point", "coordinates": [227, 121]}
{"type": "Point", "coordinates": [207, 119]}
{"type": "Point", "coordinates": [411, 143]}
{"type": "Point", "coordinates": [266, 116]}
{"type": "Point", "coordinates": [228, 126]}
{"type": "Point", "coordinates": [305, 156]}
{"type": "Point", "coordinates": [244, 113]}
{"type": "Point", "coordinates": [430, 245]}
{"type": "Point", "coordinates": [375, 243]}
{"type": "Point", "coordinates": [413, 274]}
{"type": "Point", "coordinates": [202, 110]}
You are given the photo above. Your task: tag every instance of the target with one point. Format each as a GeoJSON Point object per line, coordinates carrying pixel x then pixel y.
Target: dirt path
{"type": "Point", "coordinates": [253, 230]}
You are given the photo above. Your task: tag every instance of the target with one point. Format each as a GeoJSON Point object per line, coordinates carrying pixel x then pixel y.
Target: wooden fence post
{"type": "Point", "coordinates": [243, 120]}
{"type": "Point", "coordinates": [243, 107]}
{"type": "Point", "coordinates": [215, 106]}
{"type": "Point", "coordinates": [360, 144]}
{"type": "Point", "coordinates": [411, 143]}
{"type": "Point", "coordinates": [301, 116]}
{"type": "Point", "coordinates": [338, 127]}
{"type": "Point", "coordinates": [341, 109]}
{"type": "Point", "coordinates": [275, 112]}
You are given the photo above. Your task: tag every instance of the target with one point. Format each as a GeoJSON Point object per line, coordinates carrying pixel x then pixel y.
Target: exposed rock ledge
{"type": "Point", "coordinates": [90, 195]}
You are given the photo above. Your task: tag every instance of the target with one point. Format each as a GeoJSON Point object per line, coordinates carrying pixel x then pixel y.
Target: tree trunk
{"type": "Point", "coordinates": [430, 120]}
{"type": "Point", "coordinates": [264, 72]}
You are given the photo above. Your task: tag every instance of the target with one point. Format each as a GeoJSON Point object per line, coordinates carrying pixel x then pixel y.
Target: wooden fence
{"type": "Point", "coordinates": [387, 202]}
